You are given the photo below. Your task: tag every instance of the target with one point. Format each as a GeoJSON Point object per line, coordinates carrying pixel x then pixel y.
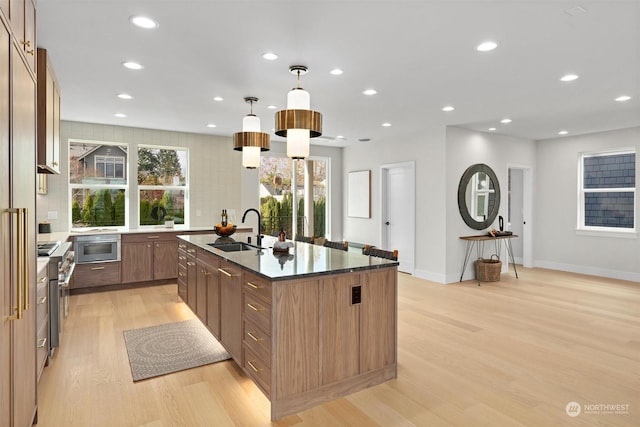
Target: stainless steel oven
{"type": "Point", "coordinates": [60, 270]}
{"type": "Point", "coordinates": [97, 248]}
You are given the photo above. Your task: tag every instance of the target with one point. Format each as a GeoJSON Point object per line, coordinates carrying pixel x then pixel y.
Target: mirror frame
{"type": "Point", "coordinates": [462, 202]}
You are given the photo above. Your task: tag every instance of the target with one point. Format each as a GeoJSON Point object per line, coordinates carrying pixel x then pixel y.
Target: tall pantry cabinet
{"type": "Point", "coordinates": [17, 215]}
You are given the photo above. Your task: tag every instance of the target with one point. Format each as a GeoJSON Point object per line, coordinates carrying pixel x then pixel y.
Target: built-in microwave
{"type": "Point", "coordinates": [97, 248]}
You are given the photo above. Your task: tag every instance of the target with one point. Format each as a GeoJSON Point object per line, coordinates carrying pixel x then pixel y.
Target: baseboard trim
{"type": "Point", "coordinates": [592, 271]}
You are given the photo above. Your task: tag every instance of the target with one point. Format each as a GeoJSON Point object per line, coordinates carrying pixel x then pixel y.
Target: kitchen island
{"type": "Point", "coordinates": [306, 326]}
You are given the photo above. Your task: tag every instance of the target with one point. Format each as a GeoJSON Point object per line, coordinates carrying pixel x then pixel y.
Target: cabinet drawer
{"type": "Point", "coordinates": [149, 237]}
{"type": "Point", "coordinates": [257, 286]}
{"type": "Point", "coordinates": [255, 367]}
{"type": "Point", "coordinates": [257, 340]}
{"type": "Point", "coordinates": [208, 258]}
{"type": "Point", "coordinates": [182, 272]}
{"type": "Point", "coordinates": [42, 345]}
{"type": "Point", "coordinates": [42, 309]}
{"type": "Point", "coordinates": [97, 274]}
{"type": "Point", "coordinates": [257, 311]}
{"type": "Point", "coordinates": [182, 290]}
{"type": "Point", "coordinates": [191, 250]}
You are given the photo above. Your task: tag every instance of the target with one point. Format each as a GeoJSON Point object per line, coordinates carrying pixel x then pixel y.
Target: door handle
{"type": "Point", "coordinates": [386, 223]}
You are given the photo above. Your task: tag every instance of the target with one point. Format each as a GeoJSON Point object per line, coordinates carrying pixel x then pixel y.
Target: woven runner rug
{"type": "Point", "coordinates": [173, 347]}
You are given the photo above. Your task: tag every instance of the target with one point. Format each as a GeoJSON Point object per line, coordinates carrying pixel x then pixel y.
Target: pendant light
{"type": "Point", "coordinates": [298, 123]}
{"type": "Point", "coordinates": [251, 140]}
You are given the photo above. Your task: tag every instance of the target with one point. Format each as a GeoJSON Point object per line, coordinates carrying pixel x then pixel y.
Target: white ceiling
{"type": "Point", "coordinates": [418, 55]}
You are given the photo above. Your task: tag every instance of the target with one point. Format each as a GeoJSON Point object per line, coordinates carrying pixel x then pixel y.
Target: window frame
{"type": "Point", "coordinates": [146, 187]}
{"type": "Point", "coordinates": [96, 187]}
{"type": "Point", "coordinates": [112, 160]}
{"type": "Point", "coordinates": [582, 228]}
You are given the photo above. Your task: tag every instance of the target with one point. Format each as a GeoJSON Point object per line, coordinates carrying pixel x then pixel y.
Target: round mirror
{"type": "Point", "coordinates": [479, 196]}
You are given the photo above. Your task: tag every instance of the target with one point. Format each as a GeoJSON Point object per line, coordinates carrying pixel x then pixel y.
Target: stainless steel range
{"type": "Point", "coordinates": [61, 265]}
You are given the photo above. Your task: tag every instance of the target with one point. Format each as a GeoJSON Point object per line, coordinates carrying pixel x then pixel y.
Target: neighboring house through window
{"type": "Point", "coordinates": [607, 191]}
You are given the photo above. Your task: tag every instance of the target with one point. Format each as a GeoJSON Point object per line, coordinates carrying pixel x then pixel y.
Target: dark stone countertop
{"type": "Point", "coordinates": [303, 259]}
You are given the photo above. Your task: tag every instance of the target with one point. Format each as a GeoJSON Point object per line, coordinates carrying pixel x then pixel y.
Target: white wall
{"type": "Point", "coordinates": [217, 179]}
{"type": "Point", "coordinates": [428, 151]}
{"type": "Point", "coordinates": [558, 245]}
{"type": "Point", "coordinates": [465, 148]}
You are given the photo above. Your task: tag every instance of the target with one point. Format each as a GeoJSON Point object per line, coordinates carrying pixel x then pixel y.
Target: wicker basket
{"type": "Point", "coordinates": [488, 270]}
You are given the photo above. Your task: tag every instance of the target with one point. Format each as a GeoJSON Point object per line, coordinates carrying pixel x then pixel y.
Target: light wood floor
{"type": "Point", "coordinates": [513, 352]}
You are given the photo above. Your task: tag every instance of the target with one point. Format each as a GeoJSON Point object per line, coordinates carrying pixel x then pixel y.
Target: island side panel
{"type": "Point", "coordinates": [296, 336]}
{"type": "Point", "coordinates": [339, 329]}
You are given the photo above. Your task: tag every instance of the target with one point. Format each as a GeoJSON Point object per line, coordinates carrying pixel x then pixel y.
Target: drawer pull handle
{"type": "Point", "coordinates": [253, 366]}
{"type": "Point", "coordinates": [253, 307]}
{"type": "Point", "coordinates": [42, 279]}
{"type": "Point", "coordinates": [226, 273]}
{"type": "Point", "coordinates": [180, 273]}
{"type": "Point", "coordinates": [191, 251]}
{"type": "Point", "coordinates": [254, 286]}
{"type": "Point", "coordinates": [97, 268]}
{"type": "Point", "coordinates": [42, 300]}
{"type": "Point", "coordinates": [182, 257]}
{"type": "Point", "coordinates": [42, 342]}
{"type": "Point", "coordinates": [191, 263]}
{"type": "Point", "coordinates": [182, 246]}
{"type": "Point", "coordinates": [153, 237]}
{"type": "Point", "coordinates": [206, 273]}
{"type": "Point", "coordinates": [253, 337]}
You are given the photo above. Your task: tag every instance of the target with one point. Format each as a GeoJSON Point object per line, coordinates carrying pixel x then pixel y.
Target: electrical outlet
{"type": "Point", "coordinates": [356, 294]}
{"type": "Point", "coordinates": [52, 215]}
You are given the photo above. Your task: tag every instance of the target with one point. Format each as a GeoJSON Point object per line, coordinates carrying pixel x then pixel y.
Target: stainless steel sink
{"type": "Point", "coordinates": [233, 246]}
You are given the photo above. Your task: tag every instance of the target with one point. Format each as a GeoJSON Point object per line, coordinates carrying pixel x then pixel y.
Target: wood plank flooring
{"type": "Point", "coordinates": [508, 353]}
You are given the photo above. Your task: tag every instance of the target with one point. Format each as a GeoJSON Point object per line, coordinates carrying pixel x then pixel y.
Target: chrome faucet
{"type": "Point", "coordinates": [244, 215]}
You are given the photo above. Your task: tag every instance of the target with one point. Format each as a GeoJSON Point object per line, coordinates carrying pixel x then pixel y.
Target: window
{"type": "Point", "coordinates": [98, 184]}
{"type": "Point", "coordinates": [162, 184]}
{"type": "Point", "coordinates": [276, 196]}
{"type": "Point", "coordinates": [607, 191]}
{"type": "Point", "coordinates": [109, 167]}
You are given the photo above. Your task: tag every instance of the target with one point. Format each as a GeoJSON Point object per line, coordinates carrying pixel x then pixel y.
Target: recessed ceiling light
{"type": "Point", "coordinates": [448, 108]}
{"type": "Point", "coordinates": [143, 22]}
{"type": "Point", "coordinates": [272, 107]}
{"type": "Point", "coordinates": [124, 96]}
{"type": "Point", "coordinates": [492, 129]}
{"type": "Point", "coordinates": [218, 98]}
{"type": "Point", "coordinates": [623, 98]}
{"type": "Point", "coordinates": [211, 125]}
{"type": "Point", "coordinates": [336, 71]}
{"type": "Point", "coordinates": [340, 137]}
{"type": "Point", "coordinates": [269, 56]}
{"type": "Point", "coordinates": [132, 65]}
{"type": "Point", "coordinates": [505, 120]}
{"type": "Point", "coordinates": [370, 92]}
{"type": "Point", "coordinates": [386, 124]}
{"type": "Point", "coordinates": [569, 77]}
{"type": "Point", "coordinates": [121, 115]}
{"type": "Point", "coordinates": [486, 46]}
{"type": "Point", "coordinates": [563, 132]}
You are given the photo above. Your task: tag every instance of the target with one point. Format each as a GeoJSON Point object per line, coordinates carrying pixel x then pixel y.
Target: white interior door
{"type": "Point", "coordinates": [520, 207]}
{"type": "Point", "coordinates": [398, 212]}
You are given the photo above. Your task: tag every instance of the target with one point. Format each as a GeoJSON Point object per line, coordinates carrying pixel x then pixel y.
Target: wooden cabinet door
{"type": "Point", "coordinates": [137, 262]}
{"type": "Point", "coordinates": [201, 292]}
{"type": "Point", "coordinates": [23, 172]}
{"type": "Point", "coordinates": [6, 307]}
{"type": "Point", "coordinates": [340, 329]}
{"type": "Point", "coordinates": [4, 7]}
{"type": "Point", "coordinates": [30, 33]}
{"type": "Point", "coordinates": [231, 309]}
{"type": "Point", "coordinates": [16, 18]}
{"type": "Point", "coordinates": [192, 283]}
{"type": "Point", "coordinates": [213, 300]}
{"type": "Point", "coordinates": [164, 256]}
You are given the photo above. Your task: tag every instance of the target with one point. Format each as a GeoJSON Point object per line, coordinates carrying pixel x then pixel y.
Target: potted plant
{"type": "Point", "coordinates": [168, 221]}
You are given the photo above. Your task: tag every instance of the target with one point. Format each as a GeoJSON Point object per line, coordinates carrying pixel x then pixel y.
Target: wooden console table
{"type": "Point", "coordinates": [478, 242]}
